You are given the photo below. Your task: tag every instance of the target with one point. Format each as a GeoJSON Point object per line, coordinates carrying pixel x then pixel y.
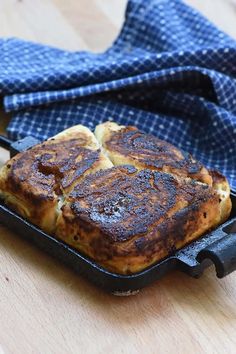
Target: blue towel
{"type": "Point", "coordinates": [170, 72]}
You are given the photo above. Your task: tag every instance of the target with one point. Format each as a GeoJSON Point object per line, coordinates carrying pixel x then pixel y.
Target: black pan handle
{"type": "Point", "coordinates": [222, 253]}
{"type": "Point", "coordinates": [5, 142]}
{"type": "Point", "coordinates": [17, 146]}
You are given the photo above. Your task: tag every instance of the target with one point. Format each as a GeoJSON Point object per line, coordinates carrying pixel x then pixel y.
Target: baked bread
{"type": "Point", "coordinates": [130, 146]}
{"type": "Point", "coordinates": [35, 182]}
{"type": "Point", "coordinates": [222, 188]}
{"type": "Point", "coordinates": [124, 198]}
{"type": "Point", "coordinates": [128, 219]}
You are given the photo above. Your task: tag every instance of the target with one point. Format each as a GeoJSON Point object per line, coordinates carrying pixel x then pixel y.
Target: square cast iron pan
{"type": "Point", "coordinates": [218, 247]}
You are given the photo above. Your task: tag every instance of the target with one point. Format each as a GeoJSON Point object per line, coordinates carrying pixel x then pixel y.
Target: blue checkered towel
{"type": "Point", "coordinates": [170, 72]}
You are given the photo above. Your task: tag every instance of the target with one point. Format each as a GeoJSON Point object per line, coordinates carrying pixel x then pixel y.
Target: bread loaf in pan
{"type": "Point", "coordinates": [122, 197]}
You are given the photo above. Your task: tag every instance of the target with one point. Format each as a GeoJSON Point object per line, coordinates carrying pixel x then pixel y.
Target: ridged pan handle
{"type": "Point", "coordinates": [222, 253]}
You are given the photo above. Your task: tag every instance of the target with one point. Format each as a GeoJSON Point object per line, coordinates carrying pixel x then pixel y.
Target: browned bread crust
{"type": "Point", "coordinates": [36, 181]}
{"type": "Point", "coordinates": [131, 146]}
{"type": "Point", "coordinates": [155, 200]}
{"type": "Point", "coordinates": [128, 219]}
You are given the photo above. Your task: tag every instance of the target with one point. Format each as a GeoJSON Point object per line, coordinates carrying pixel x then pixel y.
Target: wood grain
{"type": "Point", "coordinates": [44, 306]}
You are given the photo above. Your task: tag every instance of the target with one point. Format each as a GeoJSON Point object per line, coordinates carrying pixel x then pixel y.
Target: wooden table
{"type": "Point", "coordinates": [44, 306]}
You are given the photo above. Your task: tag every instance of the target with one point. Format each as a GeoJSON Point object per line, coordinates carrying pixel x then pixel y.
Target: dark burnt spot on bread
{"type": "Point", "coordinates": [115, 202]}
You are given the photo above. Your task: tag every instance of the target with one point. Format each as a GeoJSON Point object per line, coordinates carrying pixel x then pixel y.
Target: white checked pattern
{"type": "Point", "coordinates": [170, 72]}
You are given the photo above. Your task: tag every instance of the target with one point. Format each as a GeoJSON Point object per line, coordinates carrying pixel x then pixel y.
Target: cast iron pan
{"type": "Point", "coordinates": [218, 247]}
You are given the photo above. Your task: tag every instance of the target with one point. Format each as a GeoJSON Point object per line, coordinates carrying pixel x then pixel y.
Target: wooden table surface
{"type": "Point", "coordinates": [44, 306]}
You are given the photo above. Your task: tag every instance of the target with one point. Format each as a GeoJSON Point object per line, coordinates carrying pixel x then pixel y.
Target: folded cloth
{"type": "Point", "coordinates": [170, 72]}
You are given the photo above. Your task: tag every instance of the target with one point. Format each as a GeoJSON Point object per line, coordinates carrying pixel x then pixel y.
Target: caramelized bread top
{"type": "Point", "coordinates": [123, 202]}
{"type": "Point", "coordinates": [47, 169]}
{"type": "Point", "coordinates": [36, 181]}
{"type": "Point", "coordinates": [52, 168]}
{"type": "Point", "coordinates": [128, 145]}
